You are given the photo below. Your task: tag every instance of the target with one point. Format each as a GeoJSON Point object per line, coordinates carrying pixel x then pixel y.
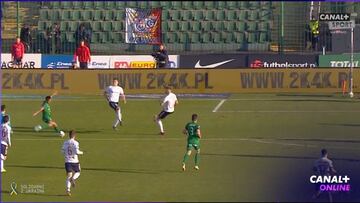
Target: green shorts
{"type": "Point", "coordinates": [46, 120]}
{"type": "Point", "coordinates": [191, 146]}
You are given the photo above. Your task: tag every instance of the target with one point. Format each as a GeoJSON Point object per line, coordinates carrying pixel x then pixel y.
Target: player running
{"type": "Point", "coordinates": [46, 116]}
{"type": "Point", "coordinates": [112, 95]}
{"type": "Point", "coordinates": [192, 130]}
{"type": "Point", "coordinates": [168, 105]}
{"type": "Point", "coordinates": [5, 140]}
{"type": "Point", "coordinates": [71, 151]}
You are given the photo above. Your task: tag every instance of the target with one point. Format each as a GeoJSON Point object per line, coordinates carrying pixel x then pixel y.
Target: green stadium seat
{"type": "Point", "coordinates": [206, 26]}
{"type": "Point", "coordinates": [218, 25]}
{"type": "Point", "coordinates": [73, 26]}
{"type": "Point", "coordinates": [231, 4]}
{"type": "Point", "coordinates": [77, 4]}
{"type": "Point", "coordinates": [99, 4]}
{"type": "Point", "coordinates": [186, 15]}
{"type": "Point", "coordinates": [205, 37]}
{"type": "Point", "coordinates": [254, 4]}
{"type": "Point", "coordinates": [216, 37]}
{"type": "Point", "coordinates": [105, 37]}
{"type": "Point", "coordinates": [184, 26]}
{"type": "Point", "coordinates": [231, 15]}
{"type": "Point", "coordinates": [117, 26]}
{"type": "Point", "coordinates": [70, 37]}
{"type": "Point", "coordinates": [66, 4]}
{"type": "Point", "coordinates": [95, 38]}
{"type": "Point", "coordinates": [171, 37]}
{"type": "Point", "coordinates": [88, 4]}
{"type": "Point", "coordinates": [86, 15]}
{"type": "Point", "coordinates": [116, 37]}
{"type": "Point", "coordinates": [108, 15]}
{"type": "Point", "coordinates": [220, 4]}
{"type": "Point", "coordinates": [154, 4]}
{"type": "Point", "coordinates": [64, 26]}
{"type": "Point", "coordinates": [265, 15]}
{"type": "Point", "coordinates": [164, 26]}
{"type": "Point", "coordinates": [243, 5]}
{"type": "Point", "coordinates": [265, 5]}
{"type": "Point", "coordinates": [97, 15]}
{"type": "Point", "coordinates": [209, 15]}
{"type": "Point", "coordinates": [165, 4]}
{"type": "Point", "coordinates": [198, 15]}
{"type": "Point", "coordinates": [220, 15]}
{"type": "Point", "coordinates": [96, 25]}
{"type": "Point", "coordinates": [175, 15]}
{"type": "Point", "coordinates": [228, 37]}
{"type": "Point", "coordinates": [109, 5]}
{"type": "Point", "coordinates": [210, 4]}
{"type": "Point", "coordinates": [195, 37]}
{"type": "Point", "coordinates": [43, 14]}
{"type": "Point", "coordinates": [264, 26]}
{"type": "Point", "coordinates": [41, 25]}
{"type": "Point", "coordinates": [199, 5]}
{"type": "Point", "coordinates": [55, 4]}
{"type": "Point", "coordinates": [65, 15]}
{"type": "Point", "coordinates": [195, 25]}
{"type": "Point", "coordinates": [75, 15]}
{"type": "Point", "coordinates": [120, 5]}
{"type": "Point", "coordinates": [143, 4]}
{"type": "Point", "coordinates": [242, 14]}
{"type": "Point", "coordinates": [55, 15]}
{"type": "Point", "coordinates": [106, 26]}
{"type": "Point", "coordinates": [240, 26]}
{"type": "Point", "coordinates": [251, 38]}
{"type": "Point", "coordinates": [119, 14]}
{"type": "Point", "coordinates": [251, 26]}
{"type": "Point", "coordinates": [187, 5]}
{"type": "Point", "coordinates": [131, 4]}
{"type": "Point", "coordinates": [183, 37]}
{"type": "Point", "coordinates": [165, 14]}
{"type": "Point", "coordinates": [239, 37]}
{"type": "Point", "coordinates": [173, 26]}
{"type": "Point", "coordinates": [176, 5]}
{"type": "Point", "coordinates": [263, 37]}
{"type": "Point", "coordinates": [230, 26]}
{"type": "Point", "coordinates": [253, 15]}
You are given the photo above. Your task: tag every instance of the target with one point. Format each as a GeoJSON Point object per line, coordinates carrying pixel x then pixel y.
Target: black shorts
{"type": "Point", "coordinates": [84, 65]}
{"type": "Point", "coordinates": [164, 114]}
{"type": "Point", "coordinates": [3, 150]}
{"type": "Point", "coordinates": [17, 61]}
{"type": "Point", "coordinates": [72, 167]}
{"type": "Point", "coordinates": [114, 105]}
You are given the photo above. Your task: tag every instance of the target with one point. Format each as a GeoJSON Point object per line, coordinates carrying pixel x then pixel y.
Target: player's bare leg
{"type": "Point", "coordinates": [186, 157]}
{"type": "Point", "coordinates": [197, 159]}
{"type": "Point", "coordinates": [118, 118]}
{"type": "Point", "coordinates": [68, 183]}
{"type": "Point", "coordinates": [3, 158]}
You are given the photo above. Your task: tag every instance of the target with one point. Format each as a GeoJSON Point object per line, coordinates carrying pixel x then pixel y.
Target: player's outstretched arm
{"type": "Point", "coordinates": [54, 94]}
{"type": "Point", "coordinates": [36, 113]}
{"type": "Point", "coordinates": [106, 95]}
{"type": "Point", "coordinates": [123, 98]}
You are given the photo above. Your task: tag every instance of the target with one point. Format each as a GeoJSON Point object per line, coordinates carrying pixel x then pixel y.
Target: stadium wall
{"type": "Point", "coordinates": [92, 82]}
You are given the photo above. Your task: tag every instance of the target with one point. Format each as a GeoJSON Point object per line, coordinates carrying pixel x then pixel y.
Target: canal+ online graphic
{"type": "Point", "coordinates": [331, 183]}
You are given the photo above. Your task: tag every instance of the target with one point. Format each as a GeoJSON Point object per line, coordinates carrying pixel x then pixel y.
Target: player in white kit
{"type": "Point", "coordinates": [71, 151]}
{"type": "Point", "coordinates": [168, 105]}
{"type": "Point", "coordinates": [5, 140]}
{"type": "Point", "coordinates": [112, 94]}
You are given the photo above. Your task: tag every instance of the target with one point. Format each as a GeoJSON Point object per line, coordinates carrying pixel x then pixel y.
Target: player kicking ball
{"type": "Point", "coordinates": [5, 140]}
{"type": "Point", "coordinates": [71, 151]}
{"type": "Point", "coordinates": [192, 130]}
{"type": "Point", "coordinates": [46, 116]}
{"type": "Point", "coordinates": [112, 95]}
{"type": "Point", "coordinates": [168, 105]}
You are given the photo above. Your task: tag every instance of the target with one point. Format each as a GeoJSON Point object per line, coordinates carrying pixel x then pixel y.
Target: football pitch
{"type": "Point", "coordinates": [255, 147]}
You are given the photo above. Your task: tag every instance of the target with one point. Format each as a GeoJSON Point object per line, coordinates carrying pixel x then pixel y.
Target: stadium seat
{"type": "Point", "coordinates": [265, 5]}
{"type": "Point", "coordinates": [73, 25]}
{"type": "Point", "coordinates": [264, 26]}
{"type": "Point", "coordinates": [175, 15]}
{"type": "Point", "coordinates": [209, 15]}
{"type": "Point", "coordinates": [172, 37]}
{"type": "Point", "coordinates": [230, 26]}
{"type": "Point", "coordinates": [187, 5]}
{"type": "Point", "coordinates": [165, 14]}
{"type": "Point", "coordinates": [263, 37]}
{"type": "Point", "coordinates": [97, 15]}
{"type": "Point", "coordinates": [155, 4]}
{"type": "Point", "coordinates": [242, 14]}
{"type": "Point", "coordinates": [243, 5]}
{"type": "Point", "coordinates": [77, 4]}
{"type": "Point", "coordinates": [173, 26]}
{"type": "Point", "coordinates": [216, 37]}
{"type": "Point", "coordinates": [205, 37]}
{"type": "Point", "coordinates": [109, 5]}
{"type": "Point", "coordinates": [165, 4]}
{"type": "Point", "coordinates": [55, 4]}
{"type": "Point", "coordinates": [195, 26]}
{"type": "Point", "coordinates": [228, 37]}
{"type": "Point", "coordinates": [220, 15]}
{"type": "Point", "coordinates": [75, 15]}
{"type": "Point", "coordinates": [198, 15]}
{"type": "Point", "coordinates": [164, 26]}
{"type": "Point", "coordinates": [65, 15]}
{"type": "Point", "coordinates": [55, 15]}
{"type": "Point", "coordinates": [251, 26]}
{"type": "Point", "coordinates": [86, 15]}
{"type": "Point", "coordinates": [231, 4]}
{"type": "Point", "coordinates": [119, 15]}
{"type": "Point", "coordinates": [43, 14]}
{"type": "Point", "coordinates": [183, 37]}
{"type": "Point", "coordinates": [95, 38]}
{"type": "Point", "coordinates": [109, 15]}
{"type": "Point", "coordinates": [65, 4]}
{"type": "Point", "coordinates": [239, 37]}
{"type": "Point", "coordinates": [254, 4]}
{"type": "Point", "coordinates": [184, 26]}
{"type": "Point", "coordinates": [105, 37]}
{"type": "Point", "coordinates": [240, 26]}
{"type": "Point", "coordinates": [253, 15]}
{"type": "Point", "coordinates": [143, 4]}
{"type": "Point", "coordinates": [231, 15]}
{"type": "Point", "coordinates": [70, 37]}
{"type": "Point", "coordinates": [41, 25]}
{"type": "Point", "coordinates": [206, 26]}
{"type": "Point", "coordinates": [106, 26]}
{"type": "Point", "coordinates": [218, 25]}
{"type": "Point", "coordinates": [63, 26]}
{"type": "Point", "coordinates": [265, 15]}
{"type": "Point", "coordinates": [186, 15]}
{"type": "Point", "coordinates": [117, 26]}
{"type": "Point", "coordinates": [96, 25]}
{"type": "Point", "coordinates": [195, 37]}
{"type": "Point", "coordinates": [131, 4]}
{"type": "Point", "coordinates": [176, 5]}
{"type": "Point", "coordinates": [88, 4]}
{"type": "Point", "coordinates": [120, 5]}
{"type": "Point", "coordinates": [199, 5]}
{"type": "Point", "coordinates": [251, 38]}
{"type": "Point", "coordinates": [210, 4]}
{"type": "Point", "coordinates": [99, 4]}
{"type": "Point", "coordinates": [220, 4]}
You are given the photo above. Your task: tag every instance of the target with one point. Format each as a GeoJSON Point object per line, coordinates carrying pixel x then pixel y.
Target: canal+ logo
{"type": "Point", "coordinates": [332, 183]}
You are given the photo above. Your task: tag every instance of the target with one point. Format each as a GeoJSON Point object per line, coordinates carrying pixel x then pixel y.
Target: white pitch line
{"type": "Point", "coordinates": [219, 105]}
{"type": "Point", "coordinates": [281, 111]}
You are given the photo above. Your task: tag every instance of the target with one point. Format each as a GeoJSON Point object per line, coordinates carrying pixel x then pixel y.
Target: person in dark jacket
{"type": "Point", "coordinates": [25, 36]}
{"type": "Point", "coordinates": [161, 57]}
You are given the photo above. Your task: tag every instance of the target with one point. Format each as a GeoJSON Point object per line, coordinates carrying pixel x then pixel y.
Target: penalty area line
{"type": "Point", "coordinates": [219, 105]}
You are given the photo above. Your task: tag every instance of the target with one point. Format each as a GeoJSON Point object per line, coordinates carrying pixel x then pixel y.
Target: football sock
{"type": "Point", "coordinates": [2, 164]}
{"type": "Point", "coordinates": [56, 129]}
{"type": "Point", "coordinates": [197, 159]}
{"type": "Point", "coordinates": [76, 175]}
{"type": "Point", "coordinates": [118, 114]}
{"type": "Point", "coordinates": [186, 157]}
{"type": "Point", "coordinates": [116, 122]}
{"type": "Point", "coordinates": [160, 125]}
{"type": "Point", "coordinates": [44, 126]}
{"type": "Point", "coordinates": [68, 184]}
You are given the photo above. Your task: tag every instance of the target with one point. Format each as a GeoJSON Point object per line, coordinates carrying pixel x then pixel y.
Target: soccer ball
{"type": "Point", "coordinates": [62, 134]}
{"type": "Point", "coordinates": [351, 95]}
{"type": "Point", "coordinates": [37, 128]}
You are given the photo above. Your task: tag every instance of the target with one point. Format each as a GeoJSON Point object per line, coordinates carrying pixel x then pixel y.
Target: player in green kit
{"type": "Point", "coordinates": [46, 116]}
{"type": "Point", "coordinates": [192, 130]}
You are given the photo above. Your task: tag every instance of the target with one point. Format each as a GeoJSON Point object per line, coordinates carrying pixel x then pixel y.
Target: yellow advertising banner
{"type": "Point", "coordinates": [91, 82]}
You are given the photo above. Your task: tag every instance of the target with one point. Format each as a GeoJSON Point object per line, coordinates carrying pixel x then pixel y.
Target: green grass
{"type": "Point", "coordinates": [250, 150]}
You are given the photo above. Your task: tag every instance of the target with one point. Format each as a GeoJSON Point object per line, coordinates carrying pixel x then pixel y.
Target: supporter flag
{"type": "Point", "coordinates": [143, 26]}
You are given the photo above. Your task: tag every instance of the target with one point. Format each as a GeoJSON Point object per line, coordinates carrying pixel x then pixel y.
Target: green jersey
{"type": "Point", "coordinates": [46, 114]}
{"type": "Point", "coordinates": [192, 130]}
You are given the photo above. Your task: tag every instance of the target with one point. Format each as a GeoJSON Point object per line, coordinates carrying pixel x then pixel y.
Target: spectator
{"type": "Point", "coordinates": [56, 34]}
{"type": "Point", "coordinates": [83, 54]}
{"type": "Point", "coordinates": [87, 35]}
{"type": "Point", "coordinates": [47, 41]}
{"type": "Point", "coordinates": [25, 37]}
{"type": "Point", "coordinates": [161, 57]}
{"type": "Point", "coordinates": [314, 27]}
{"type": "Point", "coordinates": [17, 53]}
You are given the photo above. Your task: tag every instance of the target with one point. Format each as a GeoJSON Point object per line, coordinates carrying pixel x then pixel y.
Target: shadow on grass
{"type": "Point", "coordinates": [113, 170]}
{"type": "Point", "coordinates": [277, 157]}
{"type": "Point", "coordinates": [5, 191]}
{"type": "Point", "coordinates": [341, 124]}
{"type": "Point", "coordinates": [310, 140]}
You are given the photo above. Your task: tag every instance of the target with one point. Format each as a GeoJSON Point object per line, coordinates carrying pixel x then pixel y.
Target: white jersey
{"type": "Point", "coordinates": [168, 103]}
{"type": "Point", "coordinates": [5, 134]}
{"type": "Point", "coordinates": [114, 93]}
{"type": "Point", "coordinates": [71, 150]}
{"type": "Point", "coordinates": [324, 166]}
